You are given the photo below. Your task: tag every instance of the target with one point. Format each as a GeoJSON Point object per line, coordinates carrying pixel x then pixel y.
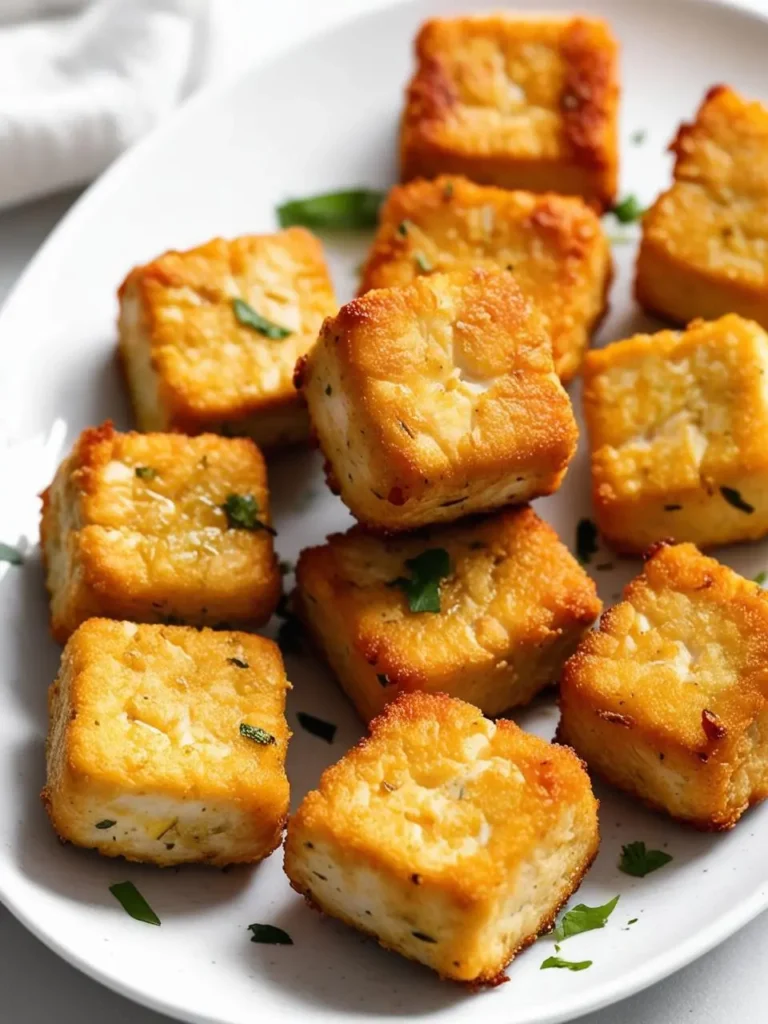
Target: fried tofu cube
{"type": "Point", "coordinates": [500, 630]}
{"type": "Point", "coordinates": [678, 431]}
{"type": "Point", "coordinates": [704, 249]}
{"type": "Point", "coordinates": [167, 744]}
{"type": "Point", "coordinates": [209, 337]}
{"type": "Point", "coordinates": [452, 840]}
{"type": "Point", "coordinates": [518, 102]}
{"type": "Point", "coordinates": [668, 700]}
{"type": "Point", "coordinates": [553, 245]}
{"type": "Point", "coordinates": [159, 528]}
{"type": "Point", "coordinates": [438, 399]}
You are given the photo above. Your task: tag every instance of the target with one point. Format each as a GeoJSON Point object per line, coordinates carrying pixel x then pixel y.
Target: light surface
{"type": "Point", "coordinates": [57, 344]}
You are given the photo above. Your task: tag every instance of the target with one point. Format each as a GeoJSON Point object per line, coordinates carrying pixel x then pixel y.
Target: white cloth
{"type": "Point", "coordinates": [82, 79]}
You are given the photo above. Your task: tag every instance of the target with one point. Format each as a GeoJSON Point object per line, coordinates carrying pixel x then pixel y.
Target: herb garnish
{"type": "Point", "coordinates": [570, 965]}
{"type": "Point", "coordinates": [11, 555]}
{"type": "Point", "coordinates": [248, 317]}
{"type": "Point", "coordinates": [257, 734]}
{"type": "Point", "coordinates": [427, 571]}
{"type": "Point", "coordinates": [761, 577]}
{"type": "Point", "coordinates": [628, 210]}
{"type": "Point", "coordinates": [133, 903]}
{"type": "Point", "coordinates": [733, 497]}
{"type": "Point", "coordinates": [317, 726]}
{"type": "Point", "coordinates": [269, 934]}
{"type": "Point", "coordinates": [637, 138]}
{"type": "Point", "coordinates": [348, 208]}
{"type": "Point", "coordinates": [586, 540]}
{"type": "Point", "coordinates": [584, 919]}
{"type": "Point", "coordinates": [145, 472]}
{"type": "Point", "coordinates": [424, 264]}
{"type": "Point", "coordinates": [638, 861]}
{"type": "Point", "coordinates": [242, 511]}
{"type": "Point", "coordinates": [106, 823]}
{"type": "Point", "coordinates": [424, 937]}
{"type": "Point", "coordinates": [238, 662]}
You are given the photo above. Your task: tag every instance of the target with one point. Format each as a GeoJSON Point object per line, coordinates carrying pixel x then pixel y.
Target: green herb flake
{"type": "Point", "coordinates": [317, 726]}
{"type": "Point", "coordinates": [133, 903]}
{"type": "Point", "coordinates": [423, 937]}
{"type": "Point", "coordinates": [242, 512]}
{"type": "Point", "coordinates": [733, 497]}
{"type": "Point", "coordinates": [257, 734]}
{"type": "Point", "coordinates": [145, 472]}
{"type": "Point", "coordinates": [638, 861]}
{"type": "Point", "coordinates": [427, 571]}
{"type": "Point", "coordinates": [448, 190]}
{"type": "Point", "coordinates": [761, 577]}
{"type": "Point", "coordinates": [238, 662]}
{"type": "Point", "coordinates": [347, 209]}
{"type": "Point", "coordinates": [424, 264]}
{"type": "Point", "coordinates": [402, 228]}
{"type": "Point", "coordinates": [584, 919]}
{"type": "Point", "coordinates": [106, 823]}
{"type": "Point", "coordinates": [248, 317]}
{"type": "Point", "coordinates": [637, 138]}
{"type": "Point", "coordinates": [632, 920]}
{"type": "Point", "coordinates": [10, 555]}
{"type": "Point", "coordinates": [569, 965]}
{"type": "Point", "coordinates": [628, 210]}
{"type": "Point", "coordinates": [269, 934]}
{"type": "Point", "coordinates": [586, 540]}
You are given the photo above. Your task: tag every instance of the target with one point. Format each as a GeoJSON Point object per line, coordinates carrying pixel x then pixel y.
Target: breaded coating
{"type": "Point", "coordinates": [512, 609]}
{"type": "Point", "coordinates": [146, 755]}
{"type": "Point", "coordinates": [452, 840]}
{"type": "Point", "coordinates": [668, 699]}
{"type": "Point", "coordinates": [553, 245]}
{"type": "Point", "coordinates": [191, 362]}
{"type": "Point", "coordinates": [437, 400]}
{"type": "Point", "coordinates": [517, 102]}
{"type": "Point", "coordinates": [678, 434]}
{"type": "Point", "coordinates": [159, 528]}
{"type": "Point", "coordinates": [704, 249]}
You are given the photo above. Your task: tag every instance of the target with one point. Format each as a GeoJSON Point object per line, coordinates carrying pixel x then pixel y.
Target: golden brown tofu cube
{"type": "Point", "coordinates": [517, 102]}
{"type": "Point", "coordinates": [553, 245]}
{"type": "Point", "coordinates": [678, 433]}
{"type": "Point", "coordinates": [167, 744]}
{"type": "Point", "coordinates": [704, 249]}
{"type": "Point", "coordinates": [209, 337]}
{"type": "Point", "coordinates": [667, 700]}
{"type": "Point", "coordinates": [159, 528]}
{"type": "Point", "coordinates": [493, 631]}
{"type": "Point", "coordinates": [452, 840]}
{"type": "Point", "coordinates": [438, 399]}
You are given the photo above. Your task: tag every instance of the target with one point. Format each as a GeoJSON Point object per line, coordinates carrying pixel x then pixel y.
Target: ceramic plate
{"type": "Point", "coordinates": [321, 116]}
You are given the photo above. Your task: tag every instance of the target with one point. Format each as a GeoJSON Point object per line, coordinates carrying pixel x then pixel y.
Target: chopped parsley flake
{"type": "Point", "coordinates": [238, 662]}
{"type": "Point", "coordinates": [586, 540]}
{"type": "Point", "coordinates": [257, 734]}
{"type": "Point", "coordinates": [638, 861]}
{"type": "Point", "coordinates": [145, 472]}
{"type": "Point", "coordinates": [248, 317]}
{"type": "Point", "coordinates": [11, 555]}
{"type": "Point", "coordinates": [346, 209]}
{"type": "Point", "coordinates": [317, 726]}
{"type": "Point", "coordinates": [584, 919]}
{"type": "Point", "coordinates": [427, 571]}
{"type": "Point", "coordinates": [628, 210]}
{"type": "Point", "coordinates": [637, 138]}
{"type": "Point", "coordinates": [733, 497]}
{"type": "Point", "coordinates": [269, 934]}
{"type": "Point", "coordinates": [423, 937]}
{"type": "Point", "coordinates": [106, 823]}
{"type": "Point", "coordinates": [133, 903]}
{"type": "Point", "coordinates": [570, 965]}
{"type": "Point", "coordinates": [242, 512]}
{"type": "Point", "coordinates": [761, 577]}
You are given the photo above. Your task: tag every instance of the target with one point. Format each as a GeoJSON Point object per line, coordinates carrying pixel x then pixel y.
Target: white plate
{"type": "Point", "coordinates": [322, 116]}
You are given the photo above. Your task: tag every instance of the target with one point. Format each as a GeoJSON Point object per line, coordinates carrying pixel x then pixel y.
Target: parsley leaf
{"type": "Point", "coordinates": [571, 965]}
{"type": "Point", "coordinates": [317, 726]}
{"type": "Point", "coordinates": [427, 571]}
{"type": "Point", "coordinates": [733, 497]}
{"type": "Point", "coordinates": [586, 540]}
{"type": "Point", "coordinates": [11, 555]}
{"type": "Point", "coordinates": [145, 472]}
{"type": "Point", "coordinates": [238, 662]}
{"type": "Point", "coordinates": [241, 511]}
{"type": "Point", "coordinates": [628, 210]}
{"type": "Point", "coordinates": [269, 934]}
{"type": "Point", "coordinates": [106, 823]}
{"type": "Point", "coordinates": [637, 138]}
{"type": "Point", "coordinates": [638, 861]}
{"type": "Point", "coordinates": [761, 577]}
{"type": "Point", "coordinates": [349, 208]}
{"type": "Point", "coordinates": [257, 734]}
{"type": "Point", "coordinates": [133, 903]}
{"type": "Point", "coordinates": [583, 919]}
{"type": "Point", "coordinates": [248, 317]}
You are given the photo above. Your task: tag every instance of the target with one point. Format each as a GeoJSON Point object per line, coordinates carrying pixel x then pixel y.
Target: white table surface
{"type": "Point", "coordinates": [729, 986]}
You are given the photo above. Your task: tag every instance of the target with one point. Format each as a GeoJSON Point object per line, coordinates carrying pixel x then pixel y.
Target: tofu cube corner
{"type": "Point", "coordinates": [451, 839]}
{"type": "Point", "coordinates": [517, 102]}
{"type": "Point", "coordinates": [146, 755]}
{"type": "Point", "coordinates": [668, 698]}
{"type": "Point", "coordinates": [438, 400]}
{"type": "Point", "coordinates": [678, 435]}
{"type": "Point", "coordinates": [209, 337]}
{"type": "Point", "coordinates": [159, 528]}
{"type": "Point", "coordinates": [502, 629]}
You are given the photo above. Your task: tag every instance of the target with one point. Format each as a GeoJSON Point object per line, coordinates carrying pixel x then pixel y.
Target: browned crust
{"type": "Point", "coordinates": [590, 95]}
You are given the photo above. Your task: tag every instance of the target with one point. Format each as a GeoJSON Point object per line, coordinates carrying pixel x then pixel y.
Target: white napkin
{"type": "Point", "coordinates": [76, 89]}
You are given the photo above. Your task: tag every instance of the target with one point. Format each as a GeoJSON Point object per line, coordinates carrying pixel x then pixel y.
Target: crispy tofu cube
{"type": "Point", "coordinates": [553, 245]}
{"type": "Point", "coordinates": [452, 840]}
{"type": "Point", "coordinates": [668, 699]}
{"type": "Point", "coordinates": [503, 630]}
{"type": "Point", "coordinates": [678, 433]}
{"type": "Point", "coordinates": [704, 249]}
{"type": "Point", "coordinates": [517, 102]}
{"type": "Point", "coordinates": [159, 528]}
{"type": "Point", "coordinates": [438, 399]}
{"type": "Point", "coordinates": [167, 744]}
{"type": "Point", "coordinates": [194, 358]}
